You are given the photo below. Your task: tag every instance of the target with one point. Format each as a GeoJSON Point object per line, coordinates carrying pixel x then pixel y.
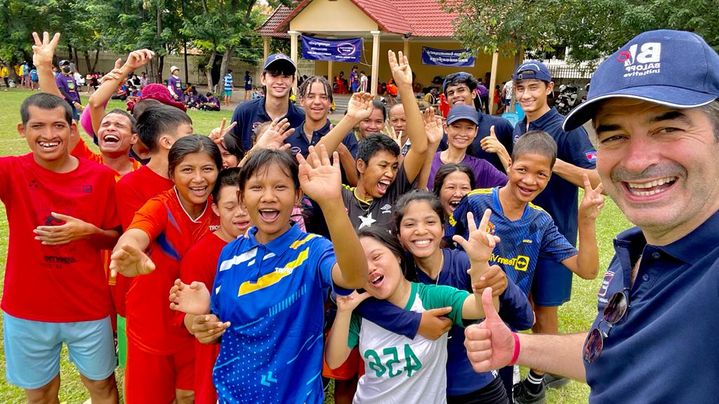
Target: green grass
{"type": "Point", "coordinates": [575, 316]}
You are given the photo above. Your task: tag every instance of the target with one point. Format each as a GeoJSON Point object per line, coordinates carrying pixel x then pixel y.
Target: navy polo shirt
{"type": "Point", "coordinates": [663, 350]}
{"type": "Point", "coordinates": [503, 130]}
{"type": "Point", "coordinates": [251, 114]}
{"type": "Point", "coordinates": [559, 198]}
{"type": "Point", "coordinates": [299, 144]}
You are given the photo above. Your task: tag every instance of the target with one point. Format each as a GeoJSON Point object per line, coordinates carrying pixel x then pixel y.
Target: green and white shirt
{"type": "Point", "coordinates": [403, 370]}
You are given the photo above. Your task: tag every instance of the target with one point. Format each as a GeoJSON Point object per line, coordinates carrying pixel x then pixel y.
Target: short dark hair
{"type": "Point", "coordinates": [44, 101]}
{"type": "Point", "coordinates": [263, 158]}
{"type": "Point", "coordinates": [377, 104]}
{"type": "Point", "coordinates": [307, 86]}
{"type": "Point", "coordinates": [227, 178]}
{"type": "Point", "coordinates": [133, 121]}
{"type": "Point", "coordinates": [535, 142]}
{"type": "Point", "coordinates": [373, 144]}
{"type": "Point", "coordinates": [447, 169]}
{"type": "Point", "coordinates": [157, 120]}
{"type": "Point", "coordinates": [192, 144]}
{"type": "Point", "coordinates": [455, 79]}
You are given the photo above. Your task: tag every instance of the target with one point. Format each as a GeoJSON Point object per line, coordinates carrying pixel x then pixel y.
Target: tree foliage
{"type": "Point", "coordinates": [590, 28]}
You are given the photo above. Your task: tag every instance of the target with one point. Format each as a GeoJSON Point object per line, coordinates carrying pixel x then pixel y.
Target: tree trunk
{"type": "Point", "coordinates": [208, 70]}
{"type": "Point", "coordinates": [94, 62]}
{"type": "Point", "coordinates": [75, 58]}
{"type": "Point", "coordinates": [86, 56]}
{"type": "Point", "coordinates": [226, 60]}
{"type": "Point", "coordinates": [69, 52]}
{"type": "Point", "coordinates": [160, 65]}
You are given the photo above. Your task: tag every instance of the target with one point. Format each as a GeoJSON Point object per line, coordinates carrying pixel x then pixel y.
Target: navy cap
{"type": "Point", "coordinates": [281, 62]}
{"type": "Point", "coordinates": [672, 68]}
{"type": "Point", "coordinates": [532, 70]}
{"type": "Point", "coordinates": [64, 62]}
{"type": "Point", "coordinates": [462, 112]}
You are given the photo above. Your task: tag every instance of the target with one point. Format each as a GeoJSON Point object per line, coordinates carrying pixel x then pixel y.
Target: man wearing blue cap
{"type": "Point", "coordinates": [552, 285]}
{"type": "Point", "coordinates": [278, 76]}
{"type": "Point", "coordinates": [655, 109]}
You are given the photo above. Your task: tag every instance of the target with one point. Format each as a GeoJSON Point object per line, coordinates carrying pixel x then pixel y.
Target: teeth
{"type": "Point", "coordinates": [646, 193]}
{"type": "Point", "coordinates": [375, 279]}
{"type": "Point", "coordinates": [49, 144]}
{"type": "Point", "coordinates": [652, 184]}
{"type": "Point", "coordinates": [112, 138]}
{"type": "Point", "coordinates": [422, 243]}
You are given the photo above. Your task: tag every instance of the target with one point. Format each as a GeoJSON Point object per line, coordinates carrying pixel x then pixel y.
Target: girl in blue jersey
{"type": "Point", "coordinates": [396, 367]}
{"type": "Point", "coordinates": [270, 285]}
{"type": "Point", "coordinates": [419, 219]}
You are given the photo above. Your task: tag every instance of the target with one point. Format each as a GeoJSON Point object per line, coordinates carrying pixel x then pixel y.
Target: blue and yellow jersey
{"type": "Point", "coordinates": [273, 294]}
{"type": "Point", "coordinates": [523, 241]}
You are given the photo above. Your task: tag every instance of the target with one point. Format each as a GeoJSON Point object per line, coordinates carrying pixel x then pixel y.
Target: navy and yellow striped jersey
{"type": "Point", "coordinates": [523, 241]}
{"type": "Point", "coordinates": [273, 294]}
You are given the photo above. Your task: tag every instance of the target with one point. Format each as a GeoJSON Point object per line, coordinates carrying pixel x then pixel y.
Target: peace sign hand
{"type": "Point", "coordinates": [480, 243]}
{"type": "Point", "coordinates": [44, 50]}
{"type": "Point", "coordinates": [593, 200]}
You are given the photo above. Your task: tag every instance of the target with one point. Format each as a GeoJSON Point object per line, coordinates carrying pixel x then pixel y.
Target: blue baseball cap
{"type": "Point", "coordinates": [462, 112]}
{"type": "Point", "coordinates": [532, 69]}
{"type": "Point", "coordinates": [677, 69]}
{"type": "Point", "coordinates": [280, 62]}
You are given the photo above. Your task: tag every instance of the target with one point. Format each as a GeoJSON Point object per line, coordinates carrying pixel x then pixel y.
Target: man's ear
{"type": "Point", "coordinates": [361, 166]}
{"type": "Point", "coordinates": [165, 141]}
{"type": "Point", "coordinates": [21, 129]}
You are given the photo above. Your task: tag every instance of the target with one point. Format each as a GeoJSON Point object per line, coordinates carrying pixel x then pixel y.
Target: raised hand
{"type": "Point", "coordinates": [130, 261]}
{"type": "Point", "coordinates": [359, 106]}
{"type": "Point", "coordinates": [114, 74]}
{"type": "Point", "coordinates": [350, 302]}
{"type": "Point", "coordinates": [208, 328]}
{"type": "Point", "coordinates": [399, 65]}
{"type": "Point", "coordinates": [479, 243]}
{"type": "Point", "coordinates": [218, 134]}
{"type": "Point", "coordinates": [44, 50]}
{"type": "Point", "coordinates": [394, 135]}
{"type": "Point", "coordinates": [320, 179]}
{"type": "Point", "coordinates": [137, 59]}
{"type": "Point", "coordinates": [491, 144]}
{"type": "Point", "coordinates": [593, 200]}
{"type": "Point", "coordinates": [433, 126]}
{"type": "Point", "coordinates": [72, 229]}
{"type": "Point", "coordinates": [490, 344]}
{"type": "Point", "coordinates": [190, 299]}
{"type": "Point", "coordinates": [274, 136]}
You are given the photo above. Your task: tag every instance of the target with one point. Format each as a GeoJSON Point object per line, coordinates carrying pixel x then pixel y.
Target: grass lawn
{"type": "Point", "coordinates": [575, 316]}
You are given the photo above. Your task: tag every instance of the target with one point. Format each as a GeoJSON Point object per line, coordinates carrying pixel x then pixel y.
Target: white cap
{"type": "Point", "coordinates": [173, 68]}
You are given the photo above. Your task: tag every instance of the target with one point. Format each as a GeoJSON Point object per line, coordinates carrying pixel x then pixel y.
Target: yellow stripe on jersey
{"type": "Point", "coordinates": [274, 277]}
{"type": "Point", "coordinates": [299, 243]}
{"type": "Point", "coordinates": [480, 191]}
{"type": "Point", "coordinates": [535, 207]}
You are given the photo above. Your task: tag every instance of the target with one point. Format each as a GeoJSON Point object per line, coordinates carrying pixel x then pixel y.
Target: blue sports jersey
{"type": "Point", "coordinates": [273, 294]}
{"type": "Point", "coordinates": [299, 144]}
{"type": "Point", "coordinates": [523, 241]}
{"type": "Point", "coordinates": [559, 198]}
{"type": "Point", "coordinates": [251, 114]}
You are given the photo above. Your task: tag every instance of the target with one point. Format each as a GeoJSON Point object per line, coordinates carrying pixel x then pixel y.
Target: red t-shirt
{"type": "Point", "coordinates": [136, 188]}
{"type": "Point", "coordinates": [150, 322]}
{"type": "Point", "coordinates": [63, 283]}
{"type": "Point", "coordinates": [200, 264]}
{"type": "Point", "coordinates": [82, 151]}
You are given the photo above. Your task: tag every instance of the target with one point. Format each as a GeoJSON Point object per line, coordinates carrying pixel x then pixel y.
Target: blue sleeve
{"type": "Point", "coordinates": [458, 220]}
{"type": "Point", "coordinates": [503, 129]}
{"type": "Point", "coordinates": [351, 142]}
{"type": "Point", "coordinates": [514, 308]}
{"type": "Point", "coordinates": [390, 317]}
{"type": "Point", "coordinates": [554, 245]}
{"type": "Point", "coordinates": [577, 149]}
{"type": "Point", "coordinates": [326, 260]}
{"type": "Point", "coordinates": [240, 130]}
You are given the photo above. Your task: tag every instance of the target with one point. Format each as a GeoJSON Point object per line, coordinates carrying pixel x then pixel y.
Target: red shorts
{"type": "Point", "coordinates": [153, 378]}
{"type": "Point", "coordinates": [351, 369]}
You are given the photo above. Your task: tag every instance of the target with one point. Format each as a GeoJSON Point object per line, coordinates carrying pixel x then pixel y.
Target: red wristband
{"type": "Point", "coordinates": [515, 354]}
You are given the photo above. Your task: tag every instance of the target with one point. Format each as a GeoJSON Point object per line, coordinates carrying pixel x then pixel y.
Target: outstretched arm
{"type": "Point", "coordinates": [492, 345]}
{"type": "Point", "coordinates": [128, 257]}
{"type": "Point", "coordinates": [402, 74]}
{"type": "Point", "coordinates": [337, 350]}
{"type": "Point", "coordinates": [190, 299]}
{"type": "Point", "coordinates": [359, 107]}
{"type": "Point", "coordinates": [321, 181]}
{"type": "Point", "coordinates": [434, 130]}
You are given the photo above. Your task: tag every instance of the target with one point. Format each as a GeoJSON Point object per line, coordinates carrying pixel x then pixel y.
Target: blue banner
{"type": "Point", "coordinates": [337, 50]}
{"type": "Point", "coordinates": [447, 57]}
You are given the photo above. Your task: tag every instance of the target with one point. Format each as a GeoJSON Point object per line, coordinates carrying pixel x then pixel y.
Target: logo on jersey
{"type": "Point", "coordinates": [387, 208]}
{"type": "Point", "coordinates": [520, 262]}
{"type": "Point", "coordinates": [641, 60]}
{"type": "Point", "coordinates": [591, 156]}
{"type": "Point", "coordinates": [295, 150]}
{"type": "Point", "coordinates": [608, 276]}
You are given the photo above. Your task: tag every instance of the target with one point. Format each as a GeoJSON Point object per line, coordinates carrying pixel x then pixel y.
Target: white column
{"type": "Point", "coordinates": [329, 73]}
{"type": "Point", "coordinates": [405, 41]}
{"type": "Point", "coordinates": [265, 47]}
{"type": "Point", "coordinates": [293, 55]}
{"type": "Point", "coordinates": [375, 62]}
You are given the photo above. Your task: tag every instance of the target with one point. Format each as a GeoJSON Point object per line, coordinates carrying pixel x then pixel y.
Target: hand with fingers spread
{"type": "Point", "coordinates": [433, 126]}
{"type": "Point", "coordinates": [44, 49]}
{"type": "Point", "coordinates": [490, 344]}
{"type": "Point", "coordinates": [593, 200]}
{"type": "Point", "coordinates": [359, 107]}
{"type": "Point", "coordinates": [399, 65]}
{"type": "Point", "coordinates": [190, 299]}
{"type": "Point", "coordinates": [479, 243]}
{"type": "Point", "coordinates": [72, 229]}
{"type": "Point", "coordinates": [130, 261]}
{"type": "Point", "coordinates": [275, 135]}
{"type": "Point", "coordinates": [350, 302]}
{"type": "Point", "coordinates": [207, 328]}
{"type": "Point", "coordinates": [218, 134]}
{"type": "Point", "coordinates": [320, 178]}
{"type": "Point", "coordinates": [434, 324]}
